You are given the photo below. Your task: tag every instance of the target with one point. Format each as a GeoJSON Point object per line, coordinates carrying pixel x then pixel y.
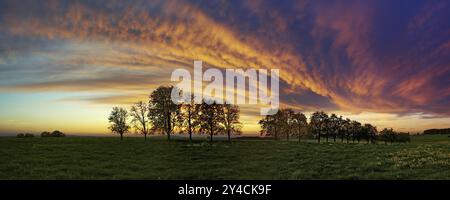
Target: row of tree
{"type": "Point", "coordinates": [161, 115]}
{"type": "Point", "coordinates": [287, 123]}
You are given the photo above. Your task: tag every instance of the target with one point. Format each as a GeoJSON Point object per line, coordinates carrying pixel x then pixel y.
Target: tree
{"type": "Point", "coordinates": [318, 124]}
{"type": "Point", "coordinates": [369, 132]}
{"type": "Point", "coordinates": [45, 134]}
{"type": "Point", "coordinates": [140, 121]}
{"type": "Point", "coordinates": [25, 135]}
{"type": "Point", "coordinates": [211, 117]}
{"type": "Point", "coordinates": [231, 120]}
{"type": "Point", "coordinates": [343, 128]}
{"type": "Point", "coordinates": [118, 121]}
{"type": "Point", "coordinates": [267, 125]}
{"type": "Point", "coordinates": [387, 134]}
{"type": "Point", "coordinates": [287, 121]}
{"type": "Point", "coordinates": [189, 116]}
{"type": "Point", "coordinates": [355, 130]}
{"type": "Point", "coordinates": [333, 126]}
{"type": "Point", "coordinates": [270, 125]}
{"type": "Point", "coordinates": [163, 113]}
{"type": "Point", "coordinates": [300, 124]}
{"type": "Point", "coordinates": [348, 129]}
{"type": "Point", "coordinates": [57, 133]}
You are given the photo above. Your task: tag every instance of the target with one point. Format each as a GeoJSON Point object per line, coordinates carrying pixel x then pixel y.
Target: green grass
{"type": "Point", "coordinates": [426, 157]}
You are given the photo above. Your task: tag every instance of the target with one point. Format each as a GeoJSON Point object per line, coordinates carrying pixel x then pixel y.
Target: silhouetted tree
{"type": "Point", "coordinates": [45, 134]}
{"type": "Point", "coordinates": [287, 122]}
{"type": "Point", "coordinates": [318, 124]}
{"type": "Point", "coordinates": [231, 120]}
{"type": "Point", "coordinates": [25, 135]}
{"type": "Point", "coordinates": [369, 132]}
{"type": "Point", "coordinates": [190, 116]}
{"type": "Point", "coordinates": [300, 124]}
{"type": "Point", "coordinates": [163, 113]}
{"type": "Point", "coordinates": [139, 118]}
{"type": "Point", "coordinates": [118, 121]}
{"type": "Point", "coordinates": [57, 133]}
{"type": "Point", "coordinates": [270, 125]}
{"type": "Point", "coordinates": [333, 126]}
{"type": "Point", "coordinates": [356, 130]}
{"type": "Point", "coordinates": [342, 128]}
{"type": "Point", "coordinates": [387, 134]}
{"type": "Point", "coordinates": [210, 118]}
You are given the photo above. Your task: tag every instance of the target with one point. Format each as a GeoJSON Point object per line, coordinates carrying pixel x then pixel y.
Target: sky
{"type": "Point", "coordinates": [65, 64]}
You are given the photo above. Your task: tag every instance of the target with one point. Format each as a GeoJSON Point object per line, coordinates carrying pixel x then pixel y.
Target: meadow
{"type": "Point", "coordinates": [426, 157]}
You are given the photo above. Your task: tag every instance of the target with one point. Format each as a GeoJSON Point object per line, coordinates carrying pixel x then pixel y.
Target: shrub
{"type": "Point", "coordinates": [436, 131]}
{"type": "Point", "coordinates": [45, 134]}
{"type": "Point", "coordinates": [57, 134]}
{"type": "Point", "coordinates": [25, 135]}
{"type": "Point", "coordinates": [29, 135]}
{"type": "Point", "coordinates": [53, 134]}
{"type": "Point", "coordinates": [402, 137]}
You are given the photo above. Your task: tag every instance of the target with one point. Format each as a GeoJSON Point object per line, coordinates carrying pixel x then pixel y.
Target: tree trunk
{"type": "Point", "coordinates": [318, 138]}
{"type": "Point", "coordinates": [212, 133]}
{"type": "Point", "coordinates": [190, 132]}
{"type": "Point", "coordinates": [229, 136]}
{"type": "Point", "coordinates": [121, 136]}
{"type": "Point", "coordinates": [168, 125]}
{"type": "Point", "coordinates": [190, 125]}
{"type": "Point", "coordinates": [145, 136]}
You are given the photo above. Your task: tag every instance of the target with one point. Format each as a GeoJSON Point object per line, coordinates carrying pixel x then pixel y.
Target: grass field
{"type": "Point", "coordinates": [426, 157]}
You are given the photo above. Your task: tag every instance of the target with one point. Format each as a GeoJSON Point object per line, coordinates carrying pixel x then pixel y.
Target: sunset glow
{"type": "Point", "coordinates": [65, 64]}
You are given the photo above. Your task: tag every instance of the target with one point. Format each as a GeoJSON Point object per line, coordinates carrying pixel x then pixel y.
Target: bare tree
{"type": "Point", "coordinates": [211, 116]}
{"type": "Point", "coordinates": [231, 120]}
{"type": "Point", "coordinates": [118, 121]}
{"type": "Point", "coordinates": [140, 121]}
{"type": "Point", "coordinates": [189, 116]}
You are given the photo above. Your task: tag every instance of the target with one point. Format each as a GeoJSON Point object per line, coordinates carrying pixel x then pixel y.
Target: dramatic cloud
{"type": "Point", "coordinates": [352, 56]}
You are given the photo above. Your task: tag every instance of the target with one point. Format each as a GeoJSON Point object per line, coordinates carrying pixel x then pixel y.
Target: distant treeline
{"type": "Point", "coordinates": [436, 131]}
{"type": "Point", "coordinates": [288, 123]}
{"type": "Point", "coordinates": [55, 133]}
